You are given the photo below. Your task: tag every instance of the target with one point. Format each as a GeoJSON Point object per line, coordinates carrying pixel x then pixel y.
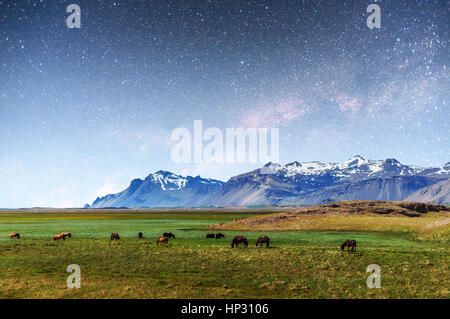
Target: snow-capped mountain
{"type": "Point", "coordinates": [356, 168]}
{"type": "Point", "coordinates": [316, 182]}
{"type": "Point", "coordinates": [275, 184]}
{"type": "Point", "coordinates": [162, 189]}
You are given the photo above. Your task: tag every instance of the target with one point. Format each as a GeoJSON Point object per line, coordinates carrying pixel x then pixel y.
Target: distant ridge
{"type": "Point", "coordinates": [438, 193]}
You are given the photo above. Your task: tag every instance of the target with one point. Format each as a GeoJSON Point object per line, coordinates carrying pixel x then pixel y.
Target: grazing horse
{"type": "Point", "coordinates": [15, 235]}
{"type": "Point", "coordinates": [67, 235]}
{"type": "Point", "coordinates": [168, 235]}
{"type": "Point", "coordinates": [262, 240]}
{"type": "Point", "coordinates": [220, 235]}
{"type": "Point", "coordinates": [351, 245]}
{"type": "Point", "coordinates": [59, 236]}
{"type": "Point", "coordinates": [140, 235]}
{"type": "Point", "coordinates": [239, 239]}
{"type": "Point", "coordinates": [210, 236]}
{"type": "Point", "coordinates": [115, 236]}
{"type": "Point", "coordinates": [161, 240]}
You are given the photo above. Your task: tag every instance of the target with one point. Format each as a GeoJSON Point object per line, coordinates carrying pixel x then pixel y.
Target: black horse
{"type": "Point", "coordinates": [351, 245]}
{"type": "Point", "coordinates": [239, 239]}
{"type": "Point", "coordinates": [262, 240]}
{"type": "Point", "coordinates": [210, 236]}
{"type": "Point", "coordinates": [220, 235]}
{"type": "Point", "coordinates": [115, 236]}
{"type": "Point", "coordinates": [169, 235]}
{"type": "Point", "coordinates": [140, 235]}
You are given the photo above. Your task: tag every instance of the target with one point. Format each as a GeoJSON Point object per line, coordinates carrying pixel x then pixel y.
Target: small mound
{"type": "Point", "coordinates": [347, 208]}
{"type": "Point", "coordinates": [410, 209]}
{"type": "Point", "coordinates": [423, 208]}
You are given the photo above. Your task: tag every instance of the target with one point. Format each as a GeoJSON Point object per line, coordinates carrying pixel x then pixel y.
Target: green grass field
{"type": "Point", "coordinates": [300, 264]}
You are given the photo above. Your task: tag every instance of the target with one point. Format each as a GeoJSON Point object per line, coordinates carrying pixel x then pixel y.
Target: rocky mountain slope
{"type": "Point", "coordinates": [438, 193]}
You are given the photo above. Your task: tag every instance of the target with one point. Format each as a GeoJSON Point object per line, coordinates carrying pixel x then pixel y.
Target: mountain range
{"type": "Point", "coordinates": [292, 184]}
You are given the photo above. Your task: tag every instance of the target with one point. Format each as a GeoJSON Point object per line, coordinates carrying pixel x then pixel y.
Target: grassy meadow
{"type": "Point", "coordinates": [304, 262]}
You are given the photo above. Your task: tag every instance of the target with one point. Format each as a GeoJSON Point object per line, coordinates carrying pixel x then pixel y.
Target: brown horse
{"type": "Point", "coordinates": [15, 235]}
{"type": "Point", "coordinates": [115, 236]}
{"type": "Point", "coordinates": [239, 239]}
{"type": "Point", "coordinates": [262, 240]}
{"type": "Point", "coordinates": [59, 236]}
{"type": "Point", "coordinates": [168, 235]}
{"type": "Point", "coordinates": [67, 235]}
{"type": "Point", "coordinates": [351, 245]}
{"type": "Point", "coordinates": [161, 240]}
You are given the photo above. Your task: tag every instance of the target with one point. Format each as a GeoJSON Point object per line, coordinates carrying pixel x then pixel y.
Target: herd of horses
{"type": "Point", "coordinates": [164, 239]}
{"type": "Point", "coordinates": [56, 237]}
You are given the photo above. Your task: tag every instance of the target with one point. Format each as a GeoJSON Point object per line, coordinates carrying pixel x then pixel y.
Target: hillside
{"type": "Point", "coordinates": [438, 193]}
{"type": "Point", "coordinates": [393, 188]}
{"type": "Point", "coordinates": [351, 215]}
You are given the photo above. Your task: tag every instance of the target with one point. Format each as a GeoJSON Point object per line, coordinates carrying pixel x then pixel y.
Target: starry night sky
{"type": "Point", "coordinates": [83, 111]}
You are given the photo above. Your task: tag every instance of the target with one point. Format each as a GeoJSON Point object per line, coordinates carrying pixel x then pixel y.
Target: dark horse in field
{"type": "Point", "coordinates": [67, 235]}
{"type": "Point", "coordinates": [168, 235]}
{"type": "Point", "coordinates": [239, 239]}
{"type": "Point", "coordinates": [351, 245]}
{"type": "Point", "coordinates": [140, 235]}
{"type": "Point", "coordinates": [15, 235]}
{"type": "Point", "coordinates": [162, 240]}
{"type": "Point", "coordinates": [220, 235]}
{"type": "Point", "coordinates": [115, 236]}
{"type": "Point", "coordinates": [262, 240]}
{"type": "Point", "coordinates": [210, 236]}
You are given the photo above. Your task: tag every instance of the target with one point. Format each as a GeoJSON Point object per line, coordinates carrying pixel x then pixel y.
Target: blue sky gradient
{"type": "Point", "coordinates": [84, 111]}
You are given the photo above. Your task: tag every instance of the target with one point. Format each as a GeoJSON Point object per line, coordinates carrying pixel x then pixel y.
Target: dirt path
{"type": "Point", "coordinates": [438, 223]}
